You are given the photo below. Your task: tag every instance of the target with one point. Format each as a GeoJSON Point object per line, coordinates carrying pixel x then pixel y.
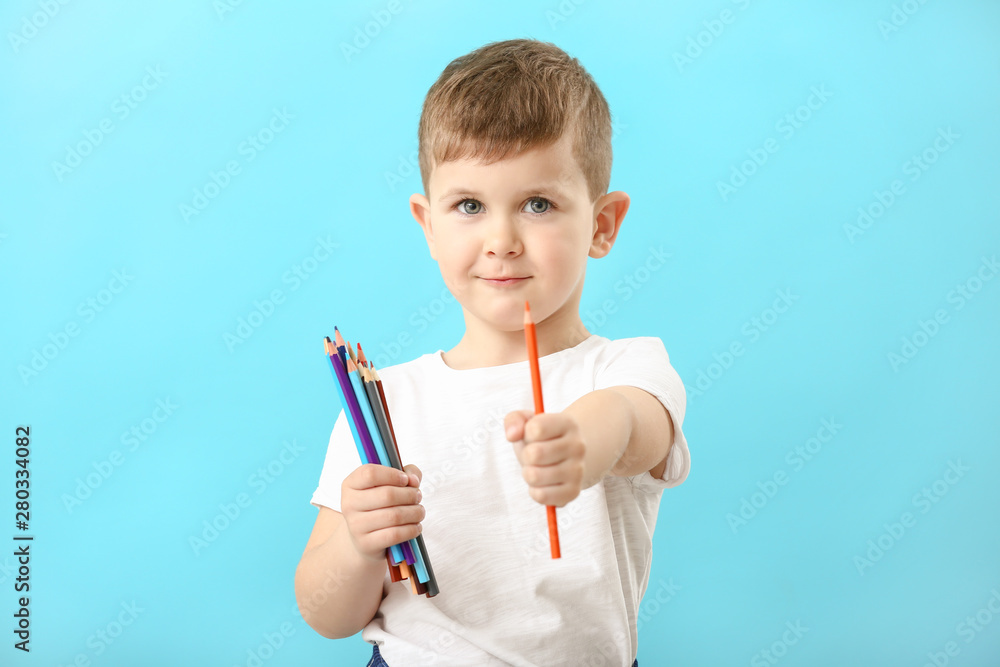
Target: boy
{"type": "Point", "coordinates": [515, 156]}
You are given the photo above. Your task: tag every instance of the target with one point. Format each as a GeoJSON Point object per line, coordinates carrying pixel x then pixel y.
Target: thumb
{"type": "Point", "coordinates": [513, 424]}
{"type": "Point", "coordinates": [414, 473]}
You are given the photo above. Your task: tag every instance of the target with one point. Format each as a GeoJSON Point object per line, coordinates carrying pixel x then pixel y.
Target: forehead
{"type": "Point", "coordinates": [551, 168]}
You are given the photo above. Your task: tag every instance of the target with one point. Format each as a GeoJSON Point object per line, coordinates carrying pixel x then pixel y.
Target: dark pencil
{"type": "Point", "coordinates": [431, 583]}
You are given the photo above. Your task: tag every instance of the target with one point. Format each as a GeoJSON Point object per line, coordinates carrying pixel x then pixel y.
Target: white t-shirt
{"type": "Point", "coordinates": [503, 599]}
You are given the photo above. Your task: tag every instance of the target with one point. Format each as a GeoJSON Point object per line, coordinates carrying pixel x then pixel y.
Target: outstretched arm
{"type": "Point", "coordinates": [619, 431]}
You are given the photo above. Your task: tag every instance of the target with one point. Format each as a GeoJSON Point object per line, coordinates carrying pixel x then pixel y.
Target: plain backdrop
{"type": "Point", "coordinates": [195, 193]}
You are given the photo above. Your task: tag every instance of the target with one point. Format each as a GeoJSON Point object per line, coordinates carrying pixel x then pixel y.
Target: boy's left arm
{"type": "Point", "coordinates": [620, 430]}
{"type": "Point", "coordinates": [626, 431]}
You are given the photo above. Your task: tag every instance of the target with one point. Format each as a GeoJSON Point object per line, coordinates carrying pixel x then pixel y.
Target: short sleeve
{"type": "Point", "coordinates": [643, 363]}
{"type": "Point", "coordinates": [341, 459]}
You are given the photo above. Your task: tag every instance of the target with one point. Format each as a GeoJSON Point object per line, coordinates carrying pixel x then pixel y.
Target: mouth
{"type": "Point", "coordinates": [504, 281]}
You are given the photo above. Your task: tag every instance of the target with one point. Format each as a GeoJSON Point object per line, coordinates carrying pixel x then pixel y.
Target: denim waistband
{"type": "Point", "coordinates": [377, 660]}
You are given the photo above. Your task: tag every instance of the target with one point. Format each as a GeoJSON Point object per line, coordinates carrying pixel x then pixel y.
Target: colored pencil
{"type": "Point", "coordinates": [373, 448]}
{"type": "Point", "coordinates": [408, 559]}
{"type": "Point", "coordinates": [378, 409]}
{"type": "Point", "coordinates": [369, 404]}
{"type": "Point", "coordinates": [368, 426]}
{"type": "Point", "coordinates": [335, 364]}
{"type": "Point", "coordinates": [425, 573]}
{"type": "Point", "coordinates": [359, 429]}
{"type": "Point", "coordinates": [536, 386]}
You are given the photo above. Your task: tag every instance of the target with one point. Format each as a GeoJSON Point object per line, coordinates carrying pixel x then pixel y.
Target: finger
{"type": "Point", "coordinates": [550, 452]}
{"type": "Point", "coordinates": [388, 517]}
{"type": "Point", "coordinates": [386, 537]}
{"type": "Point", "coordinates": [567, 472]}
{"type": "Point", "coordinates": [366, 500]}
{"type": "Point", "coordinates": [376, 542]}
{"type": "Point", "coordinates": [557, 496]}
{"type": "Point", "coordinates": [518, 447]}
{"type": "Point", "coordinates": [545, 426]}
{"type": "Point", "coordinates": [513, 424]}
{"type": "Point", "coordinates": [414, 474]}
{"type": "Point", "coordinates": [371, 475]}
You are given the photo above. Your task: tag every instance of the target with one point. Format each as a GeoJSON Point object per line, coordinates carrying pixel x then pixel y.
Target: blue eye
{"type": "Point", "coordinates": [477, 208]}
{"type": "Point", "coordinates": [548, 204]}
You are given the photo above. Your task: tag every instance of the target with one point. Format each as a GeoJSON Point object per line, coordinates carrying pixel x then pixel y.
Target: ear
{"type": "Point", "coordinates": [609, 211]}
{"type": "Point", "coordinates": [421, 210]}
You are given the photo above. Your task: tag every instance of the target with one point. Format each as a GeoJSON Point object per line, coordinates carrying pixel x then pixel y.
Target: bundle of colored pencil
{"type": "Point", "coordinates": [366, 410]}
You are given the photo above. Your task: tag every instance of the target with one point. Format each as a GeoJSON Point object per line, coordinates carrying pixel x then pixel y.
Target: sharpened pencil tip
{"type": "Point", "coordinates": [527, 313]}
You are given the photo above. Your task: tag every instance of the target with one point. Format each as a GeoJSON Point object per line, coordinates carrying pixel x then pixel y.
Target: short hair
{"type": "Point", "coordinates": [511, 96]}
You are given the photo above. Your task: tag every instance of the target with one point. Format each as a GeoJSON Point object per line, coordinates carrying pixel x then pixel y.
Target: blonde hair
{"type": "Point", "coordinates": [511, 96]}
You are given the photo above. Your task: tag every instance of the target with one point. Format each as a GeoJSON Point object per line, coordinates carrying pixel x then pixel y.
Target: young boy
{"type": "Point", "coordinates": [515, 156]}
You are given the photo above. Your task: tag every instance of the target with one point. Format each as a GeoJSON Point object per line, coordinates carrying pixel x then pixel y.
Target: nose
{"type": "Point", "coordinates": [502, 238]}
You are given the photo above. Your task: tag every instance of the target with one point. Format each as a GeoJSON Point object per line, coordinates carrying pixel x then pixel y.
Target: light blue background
{"type": "Point", "coordinates": [682, 127]}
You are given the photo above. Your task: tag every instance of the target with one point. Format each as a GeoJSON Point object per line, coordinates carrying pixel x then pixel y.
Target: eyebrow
{"type": "Point", "coordinates": [545, 188]}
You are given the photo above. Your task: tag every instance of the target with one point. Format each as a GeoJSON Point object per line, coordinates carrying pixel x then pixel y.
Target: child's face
{"type": "Point", "coordinates": [528, 218]}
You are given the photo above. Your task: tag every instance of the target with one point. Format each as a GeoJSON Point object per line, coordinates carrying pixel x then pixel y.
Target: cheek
{"type": "Point", "coordinates": [563, 249]}
{"type": "Point", "coordinates": [457, 251]}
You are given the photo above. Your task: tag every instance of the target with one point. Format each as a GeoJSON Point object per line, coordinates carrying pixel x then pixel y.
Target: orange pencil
{"type": "Point", "coordinates": [536, 386]}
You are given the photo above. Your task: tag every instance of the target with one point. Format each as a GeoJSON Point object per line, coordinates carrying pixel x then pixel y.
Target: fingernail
{"type": "Point", "coordinates": [403, 478]}
{"type": "Point", "coordinates": [419, 495]}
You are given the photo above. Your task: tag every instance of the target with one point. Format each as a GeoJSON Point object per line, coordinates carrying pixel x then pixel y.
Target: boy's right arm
{"type": "Point", "coordinates": [338, 590]}
{"type": "Point", "coordinates": [338, 583]}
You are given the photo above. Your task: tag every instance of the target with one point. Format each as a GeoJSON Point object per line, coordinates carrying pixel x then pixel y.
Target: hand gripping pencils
{"type": "Point", "coordinates": [367, 414]}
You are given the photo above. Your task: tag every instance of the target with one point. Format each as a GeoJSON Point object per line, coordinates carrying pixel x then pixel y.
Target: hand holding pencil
{"type": "Point", "coordinates": [548, 446]}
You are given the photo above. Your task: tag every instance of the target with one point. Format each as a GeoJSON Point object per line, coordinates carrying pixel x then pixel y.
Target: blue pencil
{"type": "Point", "coordinates": [359, 428]}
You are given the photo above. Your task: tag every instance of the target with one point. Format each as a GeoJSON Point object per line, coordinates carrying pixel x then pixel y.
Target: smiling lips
{"type": "Point", "coordinates": [504, 282]}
